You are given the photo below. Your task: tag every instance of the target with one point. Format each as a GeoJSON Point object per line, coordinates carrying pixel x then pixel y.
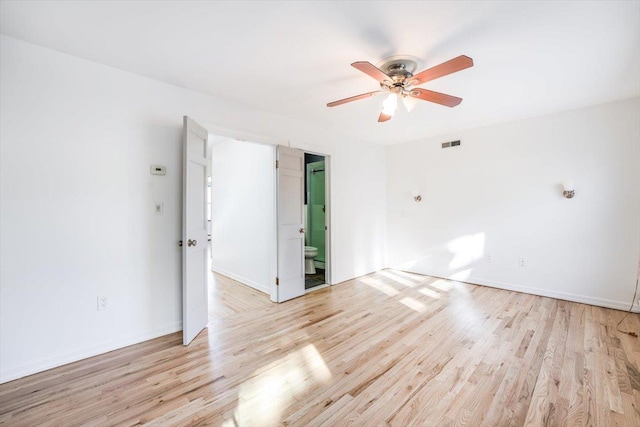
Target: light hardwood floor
{"type": "Point", "coordinates": [390, 348]}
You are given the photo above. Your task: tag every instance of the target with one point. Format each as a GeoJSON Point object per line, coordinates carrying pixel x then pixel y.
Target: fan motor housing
{"type": "Point", "coordinates": [399, 67]}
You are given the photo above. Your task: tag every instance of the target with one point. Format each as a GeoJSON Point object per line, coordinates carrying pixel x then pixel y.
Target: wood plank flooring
{"type": "Point", "coordinates": [390, 348]}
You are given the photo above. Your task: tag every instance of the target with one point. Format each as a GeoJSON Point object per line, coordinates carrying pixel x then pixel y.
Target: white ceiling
{"type": "Point", "coordinates": [291, 58]}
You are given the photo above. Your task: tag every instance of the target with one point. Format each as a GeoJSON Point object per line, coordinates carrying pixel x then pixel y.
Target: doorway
{"type": "Point", "coordinates": [315, 220]}
{"type": "Point", "coordinates": [302, 220]}
{"type": "Point", "coordinates": [270, 216]}
{"type": "Point", "coordinates": [243, 211]}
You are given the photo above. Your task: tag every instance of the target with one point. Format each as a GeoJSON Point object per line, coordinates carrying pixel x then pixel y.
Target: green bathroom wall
{"type": "Point", "coordinates": [316, 207]}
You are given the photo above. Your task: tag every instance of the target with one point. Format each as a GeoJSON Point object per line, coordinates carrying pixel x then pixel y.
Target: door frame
{"type": "Point", "coordinates": [328, 279]}
{"type": "Point", "coordinates": [328, 221]}
{"type": "Point", "coordinates": [246, 136]}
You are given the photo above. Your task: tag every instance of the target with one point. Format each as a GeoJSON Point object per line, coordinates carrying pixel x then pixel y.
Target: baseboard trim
{"type": "Point", "coordinates": [255, 285]}
{"type": "Point", "coordinates": [65, 359]}
{"type": "Point", "coordinates": [566, 296]}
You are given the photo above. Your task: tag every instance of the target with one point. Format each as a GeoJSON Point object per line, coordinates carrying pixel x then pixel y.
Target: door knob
{"type": "Point", "coordinates": [302, 230]}
{"type": "Point", "coordinates": [192, 242]}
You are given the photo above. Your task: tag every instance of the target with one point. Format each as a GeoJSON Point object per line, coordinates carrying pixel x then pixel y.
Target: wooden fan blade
{"type": "Point", "coordinates": [353, 98]}
{"type": "Point", "coordinates": [372, 70]}
{"type": "Point", "coordinates": [384, 117]}
{"type": "Point", "coordinates": [451, 66]}
{"type": "Point", "coordinates": [437, 97]}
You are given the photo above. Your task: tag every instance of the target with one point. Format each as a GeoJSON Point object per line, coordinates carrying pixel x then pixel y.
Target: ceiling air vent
{"type": "Point", "coordinates": [450, 144]}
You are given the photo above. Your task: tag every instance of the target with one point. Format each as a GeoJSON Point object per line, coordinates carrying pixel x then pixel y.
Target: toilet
{"type": "Point", "coordinates": [309, 254]}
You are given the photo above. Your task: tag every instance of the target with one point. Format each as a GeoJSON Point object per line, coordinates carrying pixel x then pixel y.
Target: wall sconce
{"type": "Point", "coordinates": [569, 189]}
{"type": "Point", "coordinates": [416, 195]}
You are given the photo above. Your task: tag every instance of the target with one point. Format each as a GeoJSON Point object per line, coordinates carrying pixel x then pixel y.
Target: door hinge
{"type": "Point", "coordinates": [277, 281]}
{"type": "Point", "coordinates": [277, 164]}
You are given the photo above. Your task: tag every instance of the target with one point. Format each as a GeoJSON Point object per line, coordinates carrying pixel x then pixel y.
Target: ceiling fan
{"type": "Point", "coordinates": [398, 79]}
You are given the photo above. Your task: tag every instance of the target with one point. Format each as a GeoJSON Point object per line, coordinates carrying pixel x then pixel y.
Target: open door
{"type": "Point", "coordinates": [290, 178]}
{"type": "Point", "coordinates": [194, 230]}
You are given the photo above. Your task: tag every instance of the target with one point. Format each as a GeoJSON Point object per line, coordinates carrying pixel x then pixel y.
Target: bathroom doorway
{"type": "Point", "coordinates": [316, 224]}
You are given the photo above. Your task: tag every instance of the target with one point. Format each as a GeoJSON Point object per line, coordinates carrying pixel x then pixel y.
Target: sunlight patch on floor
{"type": "Point", "coordinates": [467, 311]}
{"type": "Point", "coordinates": [414, 304]}
{"type": "Point", "coordinates": [382, 287]}
{"type": "Point", "coordinates": [430, 293]}
{"type": "Point", "coordinates": [396, 278]}
{"type": "Point", "coordinates": [413, 276]}
{"type": "Point", "coordinates": [263, 398]}
{"type": "Point", "coordinates": [416, 278]}
{"type": "Point", "coordinates": [315, 363]}
{"type": "Point", "coordinates": [442, 284]}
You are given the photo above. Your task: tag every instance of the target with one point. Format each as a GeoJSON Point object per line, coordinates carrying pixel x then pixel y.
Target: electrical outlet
{"type": "Point", "coordinates": [489, 258]}
{"type": "Point", "coordinates": [158, 170]}
{"type": "Point", "coordinates": [159, 208]}
{"type": "Point", "coordinates": [522, 262]}
{"type": "Point", "coordinates": [102, 303]}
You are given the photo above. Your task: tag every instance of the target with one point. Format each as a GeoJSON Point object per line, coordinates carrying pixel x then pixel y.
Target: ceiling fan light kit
{"type": "Point", "coordinates": [390, 104]}
{"type": "Point", "coordinates": [395, 76]}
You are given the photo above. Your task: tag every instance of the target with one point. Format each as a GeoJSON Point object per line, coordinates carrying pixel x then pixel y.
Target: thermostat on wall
{"type": "Point", "coordinates": [158, 170]}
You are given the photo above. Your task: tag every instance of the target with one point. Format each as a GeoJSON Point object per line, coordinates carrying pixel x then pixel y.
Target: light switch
{"type": "Point", "coordinates": [159, 208]}
{"type": "Point", "coordinates": [158, 170]}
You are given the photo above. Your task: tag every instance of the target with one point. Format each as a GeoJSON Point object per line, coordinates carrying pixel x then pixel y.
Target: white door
{"type": "Point", "coordinates": [291, 231]}
{"type": "Point", "coordinates": [194, 230]}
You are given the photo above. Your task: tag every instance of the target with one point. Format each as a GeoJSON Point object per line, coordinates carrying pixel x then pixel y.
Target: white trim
{"type": "Point", "coordinates": [583, 299]}
{"type": "Point", "coordinates": [241, 135]}
{"type": "Point", "coordinates": [328, 222]}
{"type": "Point", "coordinates": [566, 296]}
{"type": "Point", "coordinates": [255, 285]}
{"type": "Point", "coordinates": [273, 259]}
{"type": "Point", "coordinates": [316, 288]}
{"type": "Point", "coordinates": [64, 359]}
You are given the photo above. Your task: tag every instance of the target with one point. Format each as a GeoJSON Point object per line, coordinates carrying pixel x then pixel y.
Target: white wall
{"type": "Point", "coordinates": [242, 212]}
{"type": "Point", "coordinates": [499, 195]}
{"type": "Point", "coordinates": [77, 221]}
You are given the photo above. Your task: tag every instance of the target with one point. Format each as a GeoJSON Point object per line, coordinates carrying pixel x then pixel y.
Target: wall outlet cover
{"type": "Point", "coordinates": [158, 170]}
{"type": "Point", "coordinates": [159, 208]}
